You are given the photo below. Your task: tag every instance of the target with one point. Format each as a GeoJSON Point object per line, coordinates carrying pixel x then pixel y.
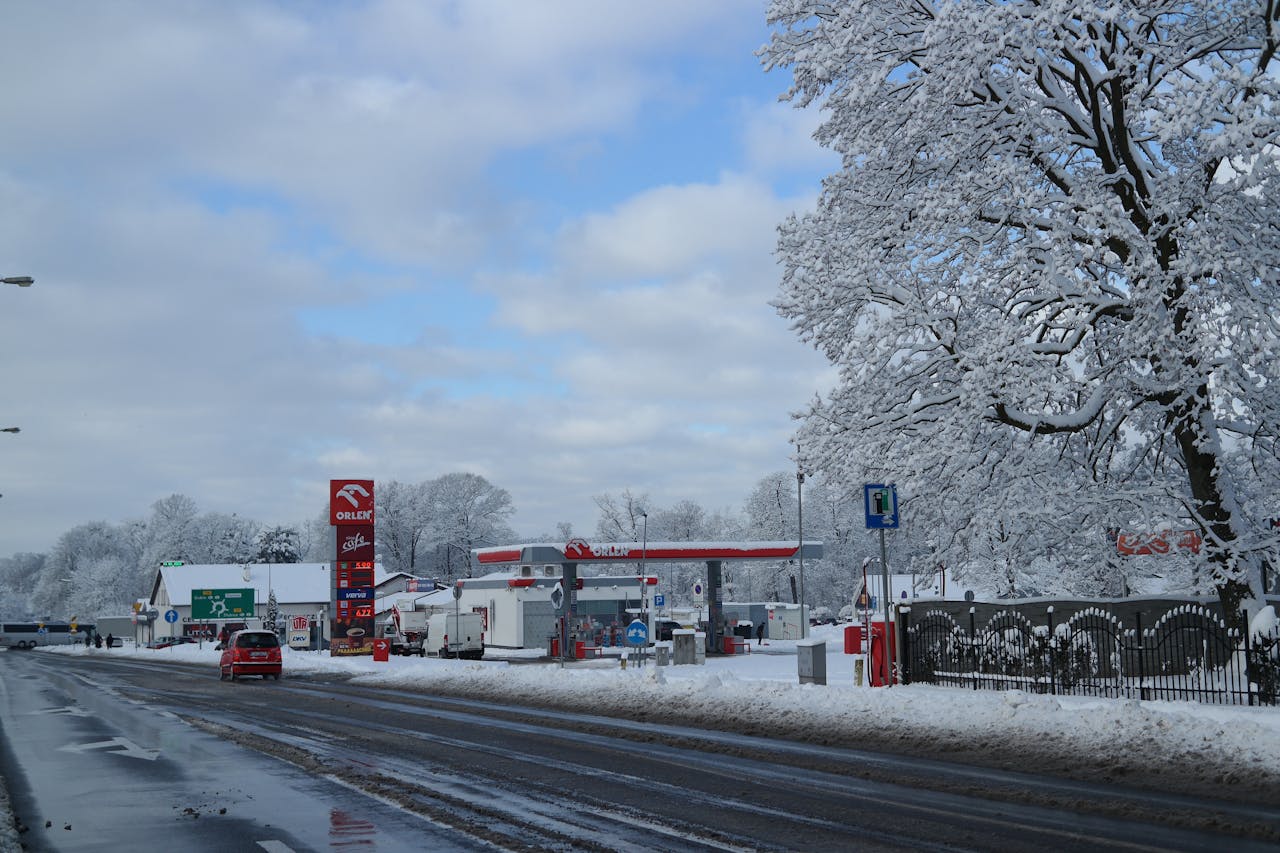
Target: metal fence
{"type": "Point", "coordinates": [1188, 654]}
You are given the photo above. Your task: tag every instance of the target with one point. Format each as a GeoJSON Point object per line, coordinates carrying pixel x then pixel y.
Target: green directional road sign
{"type": "Point", "coordinates": [221, 603]}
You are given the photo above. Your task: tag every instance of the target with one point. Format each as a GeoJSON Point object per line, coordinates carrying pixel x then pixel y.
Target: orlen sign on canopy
{"type": "Point", "coordinates": [350, 502]}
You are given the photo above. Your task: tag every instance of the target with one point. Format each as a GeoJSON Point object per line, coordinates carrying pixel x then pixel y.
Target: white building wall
{"type": "Point", "coordinates": [505, 604]}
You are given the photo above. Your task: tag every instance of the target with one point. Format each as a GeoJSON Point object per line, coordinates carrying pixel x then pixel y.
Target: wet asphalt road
{"type": "Point", "coordinates": [104, 754]}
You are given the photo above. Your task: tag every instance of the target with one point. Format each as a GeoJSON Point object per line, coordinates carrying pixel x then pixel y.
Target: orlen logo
{"type": "Point", "coordinates": [351, 501]}
{"type": "Point", "coordinates": [578, 549]}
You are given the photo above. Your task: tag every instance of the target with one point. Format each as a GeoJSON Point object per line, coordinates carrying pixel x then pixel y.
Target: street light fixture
{"type": "Point", "coordinates": [11, 429]}
{"type": "Point", "coordinates": [20, 280]}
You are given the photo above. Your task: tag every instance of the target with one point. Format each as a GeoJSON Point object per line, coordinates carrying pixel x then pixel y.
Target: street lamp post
{"type": "Point", "coordinates": [804, 620]}
{"type": "Point", "coordinates": [21, 281]}
{"type": "Point", "coordinates": [644, 566]}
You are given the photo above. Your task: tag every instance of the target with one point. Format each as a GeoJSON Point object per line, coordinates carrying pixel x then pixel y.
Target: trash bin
{"type": "Point", "coordinates": [382, 650]}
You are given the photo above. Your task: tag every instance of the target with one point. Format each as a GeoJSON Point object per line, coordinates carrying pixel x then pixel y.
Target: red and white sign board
{"type": "Point", "coordinates": [355, 542]}
{"type": "Point", "coordinates": [350, 502]}
{"type": "Point", "coordinates": [1142, 544]}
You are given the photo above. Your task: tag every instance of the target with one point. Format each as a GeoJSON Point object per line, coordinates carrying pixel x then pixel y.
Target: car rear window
{"type": "Point", "coordinates": [257, 640]}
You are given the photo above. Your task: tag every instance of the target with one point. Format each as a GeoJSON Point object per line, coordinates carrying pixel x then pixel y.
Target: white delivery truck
{"type": "Point", "coordinates": [455, 635]}
{"type": "Point", "coordinates": [406, 628]}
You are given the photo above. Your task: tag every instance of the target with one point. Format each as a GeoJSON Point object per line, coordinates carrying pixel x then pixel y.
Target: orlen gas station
{"type": "Point", "coordinates": [535, 592]}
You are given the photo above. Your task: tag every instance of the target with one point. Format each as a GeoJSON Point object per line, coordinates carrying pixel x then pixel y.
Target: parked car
{"type": "Point", "coordinates": [251, 653]}
{"type": "Point", "coordinates": [664, 627]}
{"type": "Point", "coordinates": [166, 642]}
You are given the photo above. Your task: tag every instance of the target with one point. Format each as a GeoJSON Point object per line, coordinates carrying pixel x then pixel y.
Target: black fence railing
{"type": "Point", "coordinates": [1188, 654]}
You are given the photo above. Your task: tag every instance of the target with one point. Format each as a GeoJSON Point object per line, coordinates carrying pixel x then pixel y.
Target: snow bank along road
{"type": "Point", "coordinates": [475, 773]}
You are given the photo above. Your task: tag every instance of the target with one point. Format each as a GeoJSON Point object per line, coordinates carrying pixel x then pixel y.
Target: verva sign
{"type": "Point", "coordinates": [350, 502]}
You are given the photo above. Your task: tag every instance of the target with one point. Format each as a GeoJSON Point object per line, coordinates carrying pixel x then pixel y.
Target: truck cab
{"type": "Point", "coordinates": [406, 628]}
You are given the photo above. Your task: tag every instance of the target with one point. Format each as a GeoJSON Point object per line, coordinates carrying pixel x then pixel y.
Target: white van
{"type": "Point", "coordinates": [455, 635]}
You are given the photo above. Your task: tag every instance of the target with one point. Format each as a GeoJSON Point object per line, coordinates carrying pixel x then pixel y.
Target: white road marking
{"type": "Point", "coordinates": [275, 847]}
{"type": "Point", "coordinates": [116, 746]}
{"type": "Point", "coordinates": [69, 710]}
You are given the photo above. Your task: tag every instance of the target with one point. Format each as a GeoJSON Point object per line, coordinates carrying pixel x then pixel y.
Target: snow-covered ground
{"type": "Point", "coordinates": [1230, 751]}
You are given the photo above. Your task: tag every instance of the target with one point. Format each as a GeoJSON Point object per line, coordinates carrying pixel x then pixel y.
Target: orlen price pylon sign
{"type": "Point", "coordinates": [351, 516]}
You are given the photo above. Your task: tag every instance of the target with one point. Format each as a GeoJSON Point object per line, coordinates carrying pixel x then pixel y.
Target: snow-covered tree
{"type": "Point", "coordinates": [216, 537]}
{"type": "Point", "coordinates": [1052, 239]}
{"type": "Point", "coordinates": [75, 572]}
{"type": "Point", "coordinates": [772, 511]}
{"type": "Point", "coordinates": [833, 516]}
{"type": "Point", "coordinates": [684, 522]}
{"type": "Point", "coordinates": [405, 527]}
{"type": "Point", "coordinates": [773, 515]}
{"type": "Point", "coordinates": [622, 517]}
{"type": "Point", "coordinates": [315, 538]}
{"type": "Point", "coordinates": [278, 545]}
{"type": "Point", "coordinates": [470, 512]}
{"type": "Point", "coordinates": [169, 529]}
{"type": "Point", "coordinates": [273, 622]}
{"type": "Point", "coordinates": [18, 576]}
{"type": "Point", "coordinates": [105, 586]}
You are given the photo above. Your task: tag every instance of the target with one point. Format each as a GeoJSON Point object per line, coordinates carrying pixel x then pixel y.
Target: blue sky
{"type": "Point", "coordinates": [276, 243]}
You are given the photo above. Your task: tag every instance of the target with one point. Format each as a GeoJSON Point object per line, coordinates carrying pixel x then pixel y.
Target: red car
{"type": "Point", "coordinates": [251, 653]}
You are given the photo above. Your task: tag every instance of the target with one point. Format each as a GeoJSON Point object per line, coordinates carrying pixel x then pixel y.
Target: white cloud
{"type": "Point", "coordinates": [186, 181]}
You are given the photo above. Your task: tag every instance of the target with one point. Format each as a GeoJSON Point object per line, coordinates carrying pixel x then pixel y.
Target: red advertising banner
{"type": "Point", "coordinates": [1163, 542]}
{"type": "Point", "coordinates": [350, 502]}
{"type": "Point", "coordinates": [354, 542]}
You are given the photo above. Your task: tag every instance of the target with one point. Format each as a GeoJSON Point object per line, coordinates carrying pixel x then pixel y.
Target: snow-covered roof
{"type": "Point", "coordinates": [421, 600]}
{"type": "Point", "coordinates": [293, 583]}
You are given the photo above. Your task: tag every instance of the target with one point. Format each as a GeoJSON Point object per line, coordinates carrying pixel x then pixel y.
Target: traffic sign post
{"type": "Point", "coordinates": [638, 635]}
{"type": "Point", "coordinates": [881, 504]}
